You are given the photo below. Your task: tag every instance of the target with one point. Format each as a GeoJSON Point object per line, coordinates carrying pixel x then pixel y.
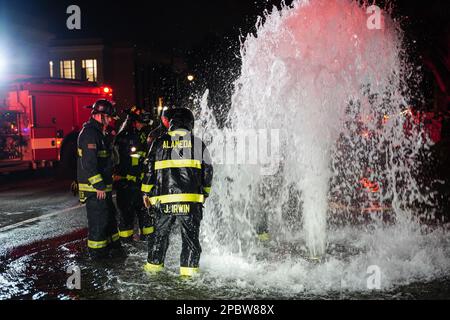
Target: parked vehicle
{"type": "Point", "coordinates": [40, 120]}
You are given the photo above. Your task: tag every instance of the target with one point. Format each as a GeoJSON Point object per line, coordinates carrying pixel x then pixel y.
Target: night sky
{"type": "Point", "coordinates": [205, 33]}
{"type": "Point", "coordinates": [164, 24]}
{"type": "Point", "coordinates": [181, 25]}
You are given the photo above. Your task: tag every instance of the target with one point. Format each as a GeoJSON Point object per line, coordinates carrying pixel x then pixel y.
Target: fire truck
{"type": "Point", "coordinates": [40, 120]}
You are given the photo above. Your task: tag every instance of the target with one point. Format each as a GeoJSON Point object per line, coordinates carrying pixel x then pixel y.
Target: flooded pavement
{"type": "Point", "coordinates": [38, 246]}
{"type": "Point", "coordinates": [41, 273]}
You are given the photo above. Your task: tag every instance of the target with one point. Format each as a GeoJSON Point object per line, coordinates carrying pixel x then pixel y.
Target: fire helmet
{"type": "Point", "coordinates": [103, 106]}
{"type": "Point", "coordinates": [139, 115]}
{"type": "Point", "coordinates": [182, 117]}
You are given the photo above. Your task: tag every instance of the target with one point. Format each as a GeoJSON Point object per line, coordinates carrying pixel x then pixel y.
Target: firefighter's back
{"type": "Point", "coordinates": [178, 167]}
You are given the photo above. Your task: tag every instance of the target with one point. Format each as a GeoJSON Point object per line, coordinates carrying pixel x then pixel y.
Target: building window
{"type": "Point", "coordinates": [67, 68]}
{"type": "Point", "coordinates": [51, 69]}
{"type": "Point", "coordinates": [90, 69]}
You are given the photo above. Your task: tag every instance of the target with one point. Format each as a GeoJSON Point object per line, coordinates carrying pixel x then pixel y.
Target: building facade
{"type": "Point", "coordinates": [138, 75]}
{"type": "Point", "coordinates": [96, 61]}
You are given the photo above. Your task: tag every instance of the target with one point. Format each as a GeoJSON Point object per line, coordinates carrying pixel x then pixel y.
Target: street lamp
{"type": "Point", "coordinates": [190, 77]}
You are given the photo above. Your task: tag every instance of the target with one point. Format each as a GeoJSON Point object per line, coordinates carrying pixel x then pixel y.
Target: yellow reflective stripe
{"type": "Point", "coordinates": [142, 153]}
{"type": "Point", "coordinates": [115, 237]}
{"type": "Point", "coordinates": [126, 233]}
{"type": "Point", "coordinates": [181, 163]}
{"type": "Point", "coordinates": [95, 179]}
{"type": "Point", "coordinates": [188, 272]}
{"type": "Point", "coordinates": [131, 178]}
{"type": "Point", "coordinates": [142, 175]}
{"type": "Point", "coordinates": [80, 152]}
{"type": "Point", "coordinates": [89, 188]}
{"type": "Point", "coordinates": [134, 161]}
{"type": "Point", "coordinates": [146, 188]}
{"type": "Point", "coordinates": [103, 154]}
{"type": "Point", "coordinates": [97, 244]}
{"type": "Point", "coordinates": [172, 198]}
{"type": "Point", "coordinates": [153, 267]}
{"type": "Point", "coordinates": [207, 189]}
{"type": "Point", "coordinates": [146, 231]}
{"type": "Point", "coordinates": [177, 132]}
{"type": "Point", "coordinates": [264, 236]}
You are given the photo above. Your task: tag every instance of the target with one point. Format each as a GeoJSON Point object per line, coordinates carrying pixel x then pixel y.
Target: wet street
{"type": "Point", "coordinates": [36, 206]}
{"type": "Point", "coordinates": [38, 214]}
{"type": "Point", "coordinates": [42, 234]}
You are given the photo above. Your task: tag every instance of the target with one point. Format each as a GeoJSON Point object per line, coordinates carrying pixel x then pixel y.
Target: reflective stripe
{"type": "Point", "coordinates": [207, 189]}
{"type": "Point", "coordinates": [95, 179]}
{"type": "Point", "coordinates": [146, 188]}
{"type": "Point", "coordinates": [182, 163]}
{"type": "Point", "coordinates": [264, 236]}
{"type": "Point", "coordinates": [82, 197]}
{"type": "Point", "coordinates": [134, 161]}
{"type": "Point", "coordinates": [126, 233]}
{"type": "Point", "coordinates": [172, 198]}
{"type": "Point", "coordinates": [115, 237]}
{"type": "Point", "coordinates": [177, 132]}
{"type": "Point", "coordinates": [154, 267]}
{"type": "Point", "coordinates": [97, 244]}
{"type": "Point", "coordinates": [80, 152]}
{"type": "Point", "coordinates": [89, 188]}
{"type": "Point", "coordinates": [147, 231]}
{"type": "Point", "coordinates": [43, 143]}
{"type": "Point", "coordinates": [131, 178]}
{"type": "Point", "coordinates": [103, 154]}
{"type": "Point", "coordinates": [142, 153]}
{"type": "Point", "coordinates": [188, 272]}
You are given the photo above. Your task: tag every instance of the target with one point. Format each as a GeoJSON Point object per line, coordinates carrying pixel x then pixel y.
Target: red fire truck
{"type": "Point", "coordinates": [40, 120]}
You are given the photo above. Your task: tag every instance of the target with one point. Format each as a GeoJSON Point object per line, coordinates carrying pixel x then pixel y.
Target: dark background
{"type": "Point", "coordinates": [181, 25]}
{"type": "Point", "coordinates": [205, 33]}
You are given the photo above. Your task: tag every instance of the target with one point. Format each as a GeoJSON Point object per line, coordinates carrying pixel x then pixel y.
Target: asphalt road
{"type": "Point", "coordinates": [35, 206]}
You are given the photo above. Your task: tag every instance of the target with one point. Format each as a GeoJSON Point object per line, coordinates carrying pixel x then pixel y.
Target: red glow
{"type": "Point", "coordinates": [107, 90]}
{"type": "Point", "coordinates": [369, 185]}
{"type": "Point", "coordinates": [165, 122]}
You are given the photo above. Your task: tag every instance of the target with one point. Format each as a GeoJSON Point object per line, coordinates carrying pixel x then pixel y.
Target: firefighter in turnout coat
{"type": "Point", "coordinates": [177, 184]}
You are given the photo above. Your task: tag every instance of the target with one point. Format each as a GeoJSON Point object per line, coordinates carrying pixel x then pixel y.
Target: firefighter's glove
{"type": "Point", "coordinates": [147, 202]}
{"type": "Point", "coordinates": [74, 188]}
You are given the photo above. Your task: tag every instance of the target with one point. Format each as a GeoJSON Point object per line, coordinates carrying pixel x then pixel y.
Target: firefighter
{"type": "Point", "coordinates": [177, 184]}
{"type": "Point", "coordinates": [130, 146]}
{"type": "Point", "coordinates": [95, 182]}
{"type": "Point", "coordinates": [163, 126]}
{"type": "Point", "coordinates": [152, 136]}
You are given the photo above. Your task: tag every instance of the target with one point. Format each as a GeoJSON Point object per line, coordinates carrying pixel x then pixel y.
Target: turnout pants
{"type": "Point", "coordinates": [130, 204]}
{"type": "Point", "coordinates": [190, 228]}
{"type": "Point", "coordinates": [102, 225]}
